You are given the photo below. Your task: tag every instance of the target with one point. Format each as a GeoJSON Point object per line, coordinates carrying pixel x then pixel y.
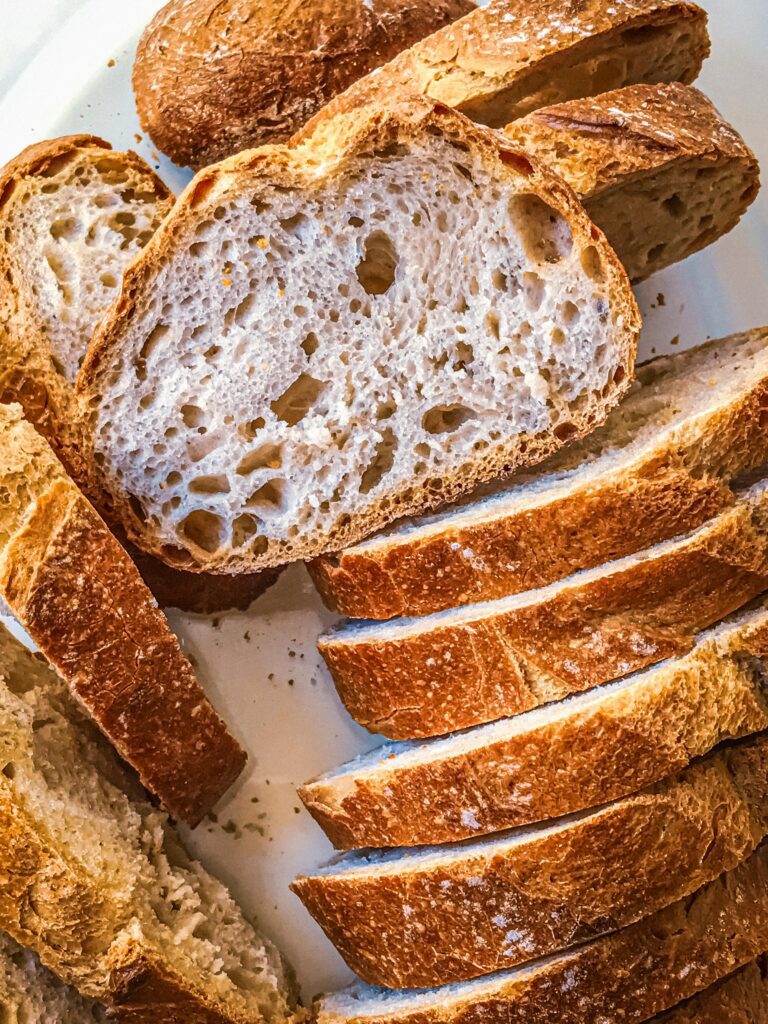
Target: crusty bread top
{"type": "Point", "coordinates": [570, 376]}
{"type": "Point", "coordinates": [213, 78]}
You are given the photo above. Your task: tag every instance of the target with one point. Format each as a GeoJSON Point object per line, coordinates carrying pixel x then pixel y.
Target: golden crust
{"type": "Point", "coordinates": [644, 969]}
{"type": "Point", "coordinates": [214, 78]}
{"type": "Point", "coordinates": [419, 925]}
{"type": "Point", "coordinates": [740, 999]}
{"type": "Point", "coordinates": [333, 146]}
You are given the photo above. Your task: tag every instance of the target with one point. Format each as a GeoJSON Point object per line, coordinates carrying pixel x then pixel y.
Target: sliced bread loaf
{"type": "Point", "coordinates": [94, 879]}
{"type": "Point", "coordinates": [79, 596]}
{"type": "Point", "coordinates": [628, 976]}
{"type": "Point", "coordinates": [73, 214]}
{"type": "Point", "coordinates": [30, 994]}
{"type": "Point", "coordinates": [324, 336]}
{"type": "Point", "coordinates": [584, 751]}
{"type": "Point", "coordinates": [657, 168]}
{"type": "Point", "coordinates": [741, 998]}
{"type": "Point", "coordinates": [450, 913]}
{"type": "Point", "coordinates": [509, 58]}
{"type": "Point", "coordinates": [663, 463]}
{"type": "Point", "coordinates": [410, 678]}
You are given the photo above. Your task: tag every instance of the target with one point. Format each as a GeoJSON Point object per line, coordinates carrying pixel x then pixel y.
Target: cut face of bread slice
{"type": "Point", "coordinates": [80, 598]}
{"type": "Point", "coordinates": [509, 58]}
{"type": "Point", "coordinates": [664, 462]}
{"type": "Point", "coordinates": [73, 215]}
{"type": "Point", "coordinates": [631, 975]}
{"type": "Point", "coordinates": [741, 998]}
{"type": "Point", "coordinates": [592, 748]}
{"type": "Point", "coordinates": [656, 167]}
{"type": "Point", "coordinates": [450, 913]}
{"type": "Point", "coordinates": [411, 678]}
{"type": "Point", "coordinates": [30, 994]}
{"type": "Point", "coordinates": [324, 336]}
{"type": "Point", "coordinates": [94, 879]}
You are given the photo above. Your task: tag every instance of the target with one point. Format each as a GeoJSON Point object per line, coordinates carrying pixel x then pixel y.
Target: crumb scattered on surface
{"type": "Point", "coordinates": [111, 62]}
{"type": "Point", "coordinates": [660, 299]}
{"type": "Point", "coordinates": [675, 340]}
{"type": "Point", "coordinates": [137, 136]}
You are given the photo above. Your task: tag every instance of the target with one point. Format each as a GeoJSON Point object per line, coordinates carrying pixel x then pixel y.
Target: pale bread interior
{"type": "Point", "coordinates": [68, 783]}
{"type": "Point", "coordinates": [30, 994]}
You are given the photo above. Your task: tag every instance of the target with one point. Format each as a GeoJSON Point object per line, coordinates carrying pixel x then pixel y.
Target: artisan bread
{"type": "Point", "coordinates": [630, 975]}
{"type": "Point", "coordinates": [663, 463]}
{"type": "Point", "coordinates": [94, 879]}
{"type": "Point", "coordinates": [30, 994]}
{"type": "Point", "coordinates": [73, 214]}
{"type": "Point", "coordinates": [657, 168]}
{"type": "Point", "coordinates": [592, 748]}
{"type": "Point", "coordinates": [742, 998]}
{"type": "Point", "coordinates": [415, 918]}
{"type": "Point", "coordinates": [429, 676]}
{"type": "Point", "coordinates": [509, 57]}
{"type": "Point", "coordinates": [360, 338]}
{"type": "Point", "coordinates": [214, 78]}
{"type": "Point", "coordinates": [80, 598]}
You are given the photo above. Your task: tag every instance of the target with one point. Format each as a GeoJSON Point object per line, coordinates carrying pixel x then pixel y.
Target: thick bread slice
{"type": "Point", "coordinates": [741, 998]}
{"type": "Point", "coordinates": [412, 678]}
{"type": "Point", "coordinates": [30, 994]}
{"type": "Point", "coordinates": [581, 752]}
{"type": "Point", "coordinates": [411, 919]}
{"type": "Point", "coordinates": [663, 463]}
{"type": "Point", "coordinates": [73, 214]}
{"type": "Point", "coordinates": [657, 168]}
{"type": "Point", "coordinates": [322, 337]}
{"type": "Point", "coordinates": [628, 976]}
{"type": "Point", "coordinates": [79, 596]}
{"type": "Point", "coordinates": [509, 57]}
{"type": "Point", "coordinates": [94, 879]}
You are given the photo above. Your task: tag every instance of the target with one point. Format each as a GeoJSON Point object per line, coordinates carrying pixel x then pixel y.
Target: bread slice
{"type": "Point", "coordinates": [630, 975]}
{"type": "Point", "coordinates": [657, 168]}
{"type": "Point", "coordinates": [508, 58]}
{"type": "Point", "coordinates": [663, 463]}
{"type": "Point", "coordinates": [742, 998]}
{"type": "Point", "coordinates": [412, 678]}
{"type": "Point", "coordinates": [30, 994]}
{"type": "Point", "coordinates": [80, 598]}
{"type": "Point", "coordinates": [328, 372]}
{"type": "Point", "coordinates": [425, 917]}
{"type": "Point", "coordinates": [73, 214]}
{"type": "Point", "coordinates": [584, 751]}
{"type": "Point", "coordinates": [94, 879]}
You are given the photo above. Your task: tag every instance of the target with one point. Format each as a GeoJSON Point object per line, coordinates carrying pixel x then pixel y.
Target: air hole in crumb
{"type": "Point", "coordinates": [192, 415]}
{"type": "Point", "coordinates": [674, 205]}
{"type": "Point", "coordinates": [545, 235]}
{"type": "Point", "coordinates": [444, 419]}
{"type": "Point", "coordinates": [268, 456]}
{"type": "Point", "coordinates": [108, 280]}
{"type": "Point", "coordinates": [376, 271]}
{"type": "Point", "coordinates": [493, 325]}
{"type": "Point", "coordinates": [268, 496]}
{"type": "Point", "coordinates": [385, 410]}
{"type": "Point", "coordinates": [591, 263]}
{"type": "Point", "coordinates": [535, 290]}
{"type": "Point", "coordinates": [293, 225]}
{"type": "Point", "coordinates": [570, 312]}
{"type": "Point", "coordinates": [564, 431]}
{"type": "Point", "coordinates": [210, 485]}
{"type": "Point", "coordinates": [309, 345]}
{"type": "Point", "coordinates": [9, 771]}
{"type": "Point", "coordinates": [243, 528]}
{"type": "Point", "coordinates": [465, 356]}
{"type": "Point", "coordinates": [251, 428]}
{"type": "Point", "coordinates": [64, 227]}
{"type": "Point", "coordinates": [296, 401]}
{"type": "Point", "coordinates": [499, 280]}
{"type": "Point", "coordinates": [259, 546]}
{"type": "Point", "coordinates": [558, 336]}
{"type": "Point", "coordinates": [381, 463]}
{"type": "Point", "coordinates": [203, 529]}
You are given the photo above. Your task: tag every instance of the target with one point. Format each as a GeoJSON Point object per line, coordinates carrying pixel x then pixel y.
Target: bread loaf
{"type": "Point", "coordinates": [741, 998]}
{"type": "Point", "coordinates": [30, 994]}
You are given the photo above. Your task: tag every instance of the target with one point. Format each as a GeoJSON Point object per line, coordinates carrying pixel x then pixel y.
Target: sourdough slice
{"type": "Point", "coordinates": [663, 463]}
{"type": "Point", "coordinates": [80, 598]}
{"type": "Point", "coordinates": [30, 994]}
{"type": "Point", "coordinates": [324, 336]}
{"type": "Point", "coordinates": [94, 879]}
{"type": "Point", "coordinates": [417, 918]}
{"type": "Point", "coordinates": [741, 998]}
{"type": "Point", "coordinates": [509, 57]}
{"type": "Point", "coordinates": [657, 168]}
{"type": "Point", "coordinates": [630, 975]}
{"type": "Point", "coordinates": [565, 757]}
{"type": "Point", "coordinates": [410, 678]}
{"type": "Point", "coordinates": [73, 214]}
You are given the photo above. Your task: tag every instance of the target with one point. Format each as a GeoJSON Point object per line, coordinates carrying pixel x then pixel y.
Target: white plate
{"type": "Point", "coordinates": [261, 667]}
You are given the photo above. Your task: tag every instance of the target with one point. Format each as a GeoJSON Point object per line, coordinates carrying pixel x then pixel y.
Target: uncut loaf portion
{"type": "Point", "coordinates": [31, 994]}
{"type": "Point", "coordinates": [95, 880]}
{"type": "Point", "coordinates": [416, 918]}
{"type": "Point", "coordinates": [589, 749]}
{"type": "Point", "coordinates": [630, 975]}
{"type": "Point", "coordinates": [79, 596]}
{"type": "Point", "coordinates": [664, 462]}
{"type": "Point", "coordinates": [372, 322]}
{"type": "Point", "coordinates": [410, 678]}
{"type": "Point", "coordinates": [73, 214]}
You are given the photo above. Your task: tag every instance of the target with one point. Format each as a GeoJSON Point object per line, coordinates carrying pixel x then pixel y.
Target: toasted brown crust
{"type": "Point", "coordinates": [741, 998]}
{"type": "Point", "coordinates": [493, 663]}
{"type": "Point", "coordinates": [415, 925]}
{"type": "Point", "coordinates": [642, 970]}
{"type": "Point", "coordinates": [508, 58]}
{"type": "Point", "coordinates": [214, 78]}
{"type": "Point", "coordinates": [669, 490]}
{"type": "Point", "coordinates": [592, 753]}
{"type": "Point", "coordinates": [334, 145]}
{"type": "Point", "coordinates": [82, 600]}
